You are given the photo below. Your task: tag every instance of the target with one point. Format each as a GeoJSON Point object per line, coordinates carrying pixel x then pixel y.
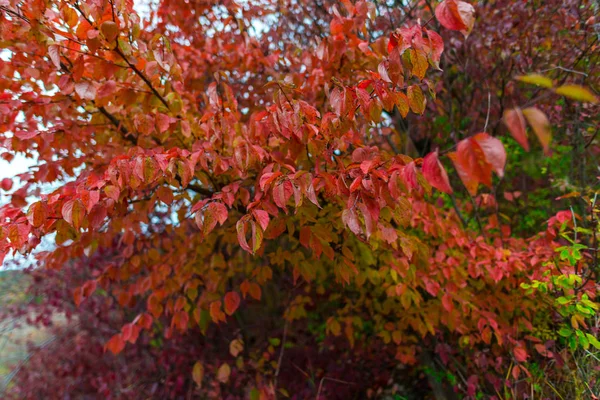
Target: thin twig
{"type": "Point", "coordinates": [285, 329]}
{"type": "Point", "coordinates": [566, 70]}
{"type": "Point", "coordinates": [330, 379]}
{"type": "Point", "coordinates": [487, 117]}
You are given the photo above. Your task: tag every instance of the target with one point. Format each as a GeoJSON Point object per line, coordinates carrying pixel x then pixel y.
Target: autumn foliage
{"type": "Point", "coordinates": [307, 200]}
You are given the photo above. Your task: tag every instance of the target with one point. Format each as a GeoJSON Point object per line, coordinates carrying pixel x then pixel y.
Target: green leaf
{"type": "Point", "coordinates": [536, 79]}
{"type": "Point", "coordinates": [562, 300]}
{"type": "Point", "coordinates": [583, 339]}
{"type": "Point", "coordinates": [565, 332]}
{"type": "Point", "coordinates": [593, 341]}
{"type": "Point", "coordinates": [577, 92]}
{"type": "Point", "coordinates": [584, 310]}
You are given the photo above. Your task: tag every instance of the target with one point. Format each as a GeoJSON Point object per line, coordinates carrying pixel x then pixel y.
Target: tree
{"type": "Point", "coordinates": [275, 162]}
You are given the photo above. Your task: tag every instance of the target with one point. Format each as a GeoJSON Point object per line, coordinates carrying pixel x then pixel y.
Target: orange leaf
{"type": "Point", "coordinates": [215, 312]}
{"type": "Point", "coordinates": [116, 344]}
{"type": "Point", "coordinates": [232, 302]}
{"type": "Point", "coordinates": [110, 30]}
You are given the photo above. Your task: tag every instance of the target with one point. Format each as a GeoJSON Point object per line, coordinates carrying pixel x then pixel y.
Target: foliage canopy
{"type": "Point", "coordinates": [271, 179]}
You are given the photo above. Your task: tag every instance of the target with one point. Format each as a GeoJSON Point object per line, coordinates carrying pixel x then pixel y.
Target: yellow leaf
{"type": "Point", "coordinates": [236, 347]}
{"type": "Point", "coordinates": [577, 92]}
{"type": "Point", "coordinates": [536, 79]}
{"type": "Point", "coordinates": [198, 373]}
{"type": "Point", "coordinates": [334, 327]}
{"type": "Point", "coordinates": [418, 59]}
{"type": "Point", "coordinates": [416, 100]}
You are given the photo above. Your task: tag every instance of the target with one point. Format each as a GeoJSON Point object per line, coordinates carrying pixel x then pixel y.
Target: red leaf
{"type": "Point", "coordinates": [37, 214]}
{"type": "Point", "coordinates": [241, 227]}
{"type": "Point", "coordinates": [409, 175]}
{"type": "Point", "coordinates": [145, 321]}
{"type": "Point", "coordinates": [435, 43]}
{"type": "Point", "coordinates": [107, 89]}
{"type": "Point", "coordinates": [88, 288]}
{"type": "Point", "coordinates": [25, 135]}
{"type": "Point", "coordinates": [337, 99]}
{"type": "Point", "coordinates": [86, 90]}
{"type": "Point", "coordinates": [232, 302]}
{"type": "Point", "coordinates": [515, 122]}
{"type": "Point", "coordinates": [435, 174]}
{"type": "Point", "coordinates": [215, 212]}
{"type": "Point", "coordinates": [6, 184]}
{"type": "Point", "coordinates": [282, 193]}
{"type": "Point", "coordinates": [73, 211]}
{"type": "Point", "coordinates": [471, 164]}
{"type": "Point", "coordinates": [113, 192]}
{"type": "Point", "coordinates": [262, 217]}
{"type": "Point", "coordinates": [520, 354]}
{"type": "Point", "coordinates": [447, 302]}
{"type": "Point", "coordinates": [180, 320]}
{"type": "Point", "coordinates": [130, 332]}
{"type": "Point", "coordinates": [493, 150]}
{"type": "Point", "coordinates": [456, 15]}
{"type": "Point", "coordinates": [162, 122]}
{"type": "Point", "coordinates": [350, 219]}
{"type": "Point", "coordinates": [116, 344]}
{"type": "Point", "coordinates": [54, 55]}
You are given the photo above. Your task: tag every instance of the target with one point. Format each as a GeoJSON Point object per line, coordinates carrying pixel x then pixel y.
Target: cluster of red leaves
{"type": "Point", "coordinates": [216, 163]}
